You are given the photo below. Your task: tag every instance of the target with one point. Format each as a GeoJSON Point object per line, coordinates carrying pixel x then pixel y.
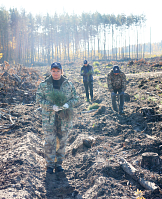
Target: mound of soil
{"type": "Point", "coordinates": [98, 142]}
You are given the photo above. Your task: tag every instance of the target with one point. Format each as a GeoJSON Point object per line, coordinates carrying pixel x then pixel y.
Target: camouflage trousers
{"type": "Point", "coordinates": [55, 141]}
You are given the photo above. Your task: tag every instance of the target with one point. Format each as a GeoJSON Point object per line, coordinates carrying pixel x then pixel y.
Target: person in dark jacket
{"type": "Point", "coordinates": [87, 73]}
{"type": "Point", "coordinates": [116, 81]}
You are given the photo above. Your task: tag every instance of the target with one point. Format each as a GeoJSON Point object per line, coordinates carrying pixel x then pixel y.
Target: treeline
{"type": "Point", "coordinates": [29, 40]}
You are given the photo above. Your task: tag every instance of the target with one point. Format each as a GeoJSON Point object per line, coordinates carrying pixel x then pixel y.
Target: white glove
{"type": "Point", "coordinates": [65, 106]}
{"type": "Point", "coordinates": [55, 108]}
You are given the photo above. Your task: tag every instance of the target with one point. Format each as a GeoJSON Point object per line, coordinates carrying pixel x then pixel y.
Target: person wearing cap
{"type": "Point", "coordinates": [87, 73]}
{"type": "Point", "coordinates": [116, 81]}
{"type": "Point", "coordinates": [56, 120]}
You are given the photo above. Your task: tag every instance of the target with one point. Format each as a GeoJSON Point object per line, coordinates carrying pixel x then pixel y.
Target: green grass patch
{"type": "Point", "coordinates": [96, 71]}
{"type": "Point", "coordinates": [136, 96]}
{"type": "Point", "coordinates": [151, 98]}
{"type": "Point", "coordinates": [143, 98]}
{"type": "Point", "coordinates": [105, 85]}
{"type": "Point", "coordinates": [99, 83]}
{"type": "Point", "coordinates": [96, 63]}
{"type": "Point", "coordinates": [157, 87]}
{"type": "Point", "coordinates": [108, 66]}
{"type": "Point", "coordinates": [93, 106]}
{"type": "Point", "coordinates": [154, 99]}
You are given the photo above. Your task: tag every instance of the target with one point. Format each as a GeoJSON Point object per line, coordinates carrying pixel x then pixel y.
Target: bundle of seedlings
{"type": "Point", "coordinates": [59, 99]}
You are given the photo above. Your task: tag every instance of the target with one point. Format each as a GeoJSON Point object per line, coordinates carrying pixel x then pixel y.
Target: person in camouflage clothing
{"type": "Point", "coordinates": [116, 81]}
{"type": "Point", "coordinates": [56, 120]}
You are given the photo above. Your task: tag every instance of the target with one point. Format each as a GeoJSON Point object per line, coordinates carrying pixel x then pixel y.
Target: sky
{"type": "Point", "coordinates": [151, 9]}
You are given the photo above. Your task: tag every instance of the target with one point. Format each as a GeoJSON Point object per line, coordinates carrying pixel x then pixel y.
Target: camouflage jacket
{"type": "Point", "coordinates": [46, 87]}
{"type": "Point", "coordinates": [116, 82]}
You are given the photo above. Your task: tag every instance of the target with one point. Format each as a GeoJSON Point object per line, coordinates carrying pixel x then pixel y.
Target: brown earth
{"type": "Point", "coordinates": [97, 142]}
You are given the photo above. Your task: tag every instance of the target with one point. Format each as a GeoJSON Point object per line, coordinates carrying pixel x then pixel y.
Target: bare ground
{"type": "Point", "coordinates": [96, 144]}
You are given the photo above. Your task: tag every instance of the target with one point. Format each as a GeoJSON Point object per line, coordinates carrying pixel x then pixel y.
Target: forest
{"type": "Point", "coordinates": [39, 40]}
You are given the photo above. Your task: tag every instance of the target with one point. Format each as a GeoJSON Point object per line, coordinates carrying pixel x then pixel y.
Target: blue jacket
{"type": "Point", "coordinates": [87, 73]}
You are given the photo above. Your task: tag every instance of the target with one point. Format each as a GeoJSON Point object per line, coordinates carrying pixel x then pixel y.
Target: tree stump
{"type": "Point", "coordinates": [154, 118]}
{"type": "Point", "coordinates": [150, 160]}
{"type": "Point", "coordinates": [147, 111]}
{"type": "Point", "coordinates": [150, 115]}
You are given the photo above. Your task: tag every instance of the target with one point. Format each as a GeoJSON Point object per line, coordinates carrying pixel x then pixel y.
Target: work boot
{"type": "Point", "coordinates": [49, 170]}
{"type": "Point", "coordinates": [58, 169]}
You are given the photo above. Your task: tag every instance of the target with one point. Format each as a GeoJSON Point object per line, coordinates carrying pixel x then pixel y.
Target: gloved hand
{"type": "Point", "coordinates": [55, 108]}
{"type": "Point", "coordinates": [65, 106]}
{"type": "Point", "coordinates": [121, 93]}
{"type": "Point", "coordinates": [113, 94]}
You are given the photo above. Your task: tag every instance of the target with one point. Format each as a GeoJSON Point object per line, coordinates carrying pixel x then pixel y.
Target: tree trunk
{"type": "Point", "coordinates": [137, 45]}
{"type": "Point", "coordinates": [88, 49]}
{"type": "Point", "coordinates": [104, 52]}
{"type": "Point", "coordinates": [98, 48]}
{"type": "Point", "coordinates": [94, 49]}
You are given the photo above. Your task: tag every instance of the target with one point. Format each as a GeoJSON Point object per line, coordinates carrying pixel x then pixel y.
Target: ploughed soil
{"type": "Point", "coordinates": [99, 140]}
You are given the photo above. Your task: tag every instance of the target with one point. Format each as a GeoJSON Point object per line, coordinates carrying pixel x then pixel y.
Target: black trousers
{"type": "Point", "coordinates": [121, 98]}
{"type": "Point", "coordinates": [88, 86]}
